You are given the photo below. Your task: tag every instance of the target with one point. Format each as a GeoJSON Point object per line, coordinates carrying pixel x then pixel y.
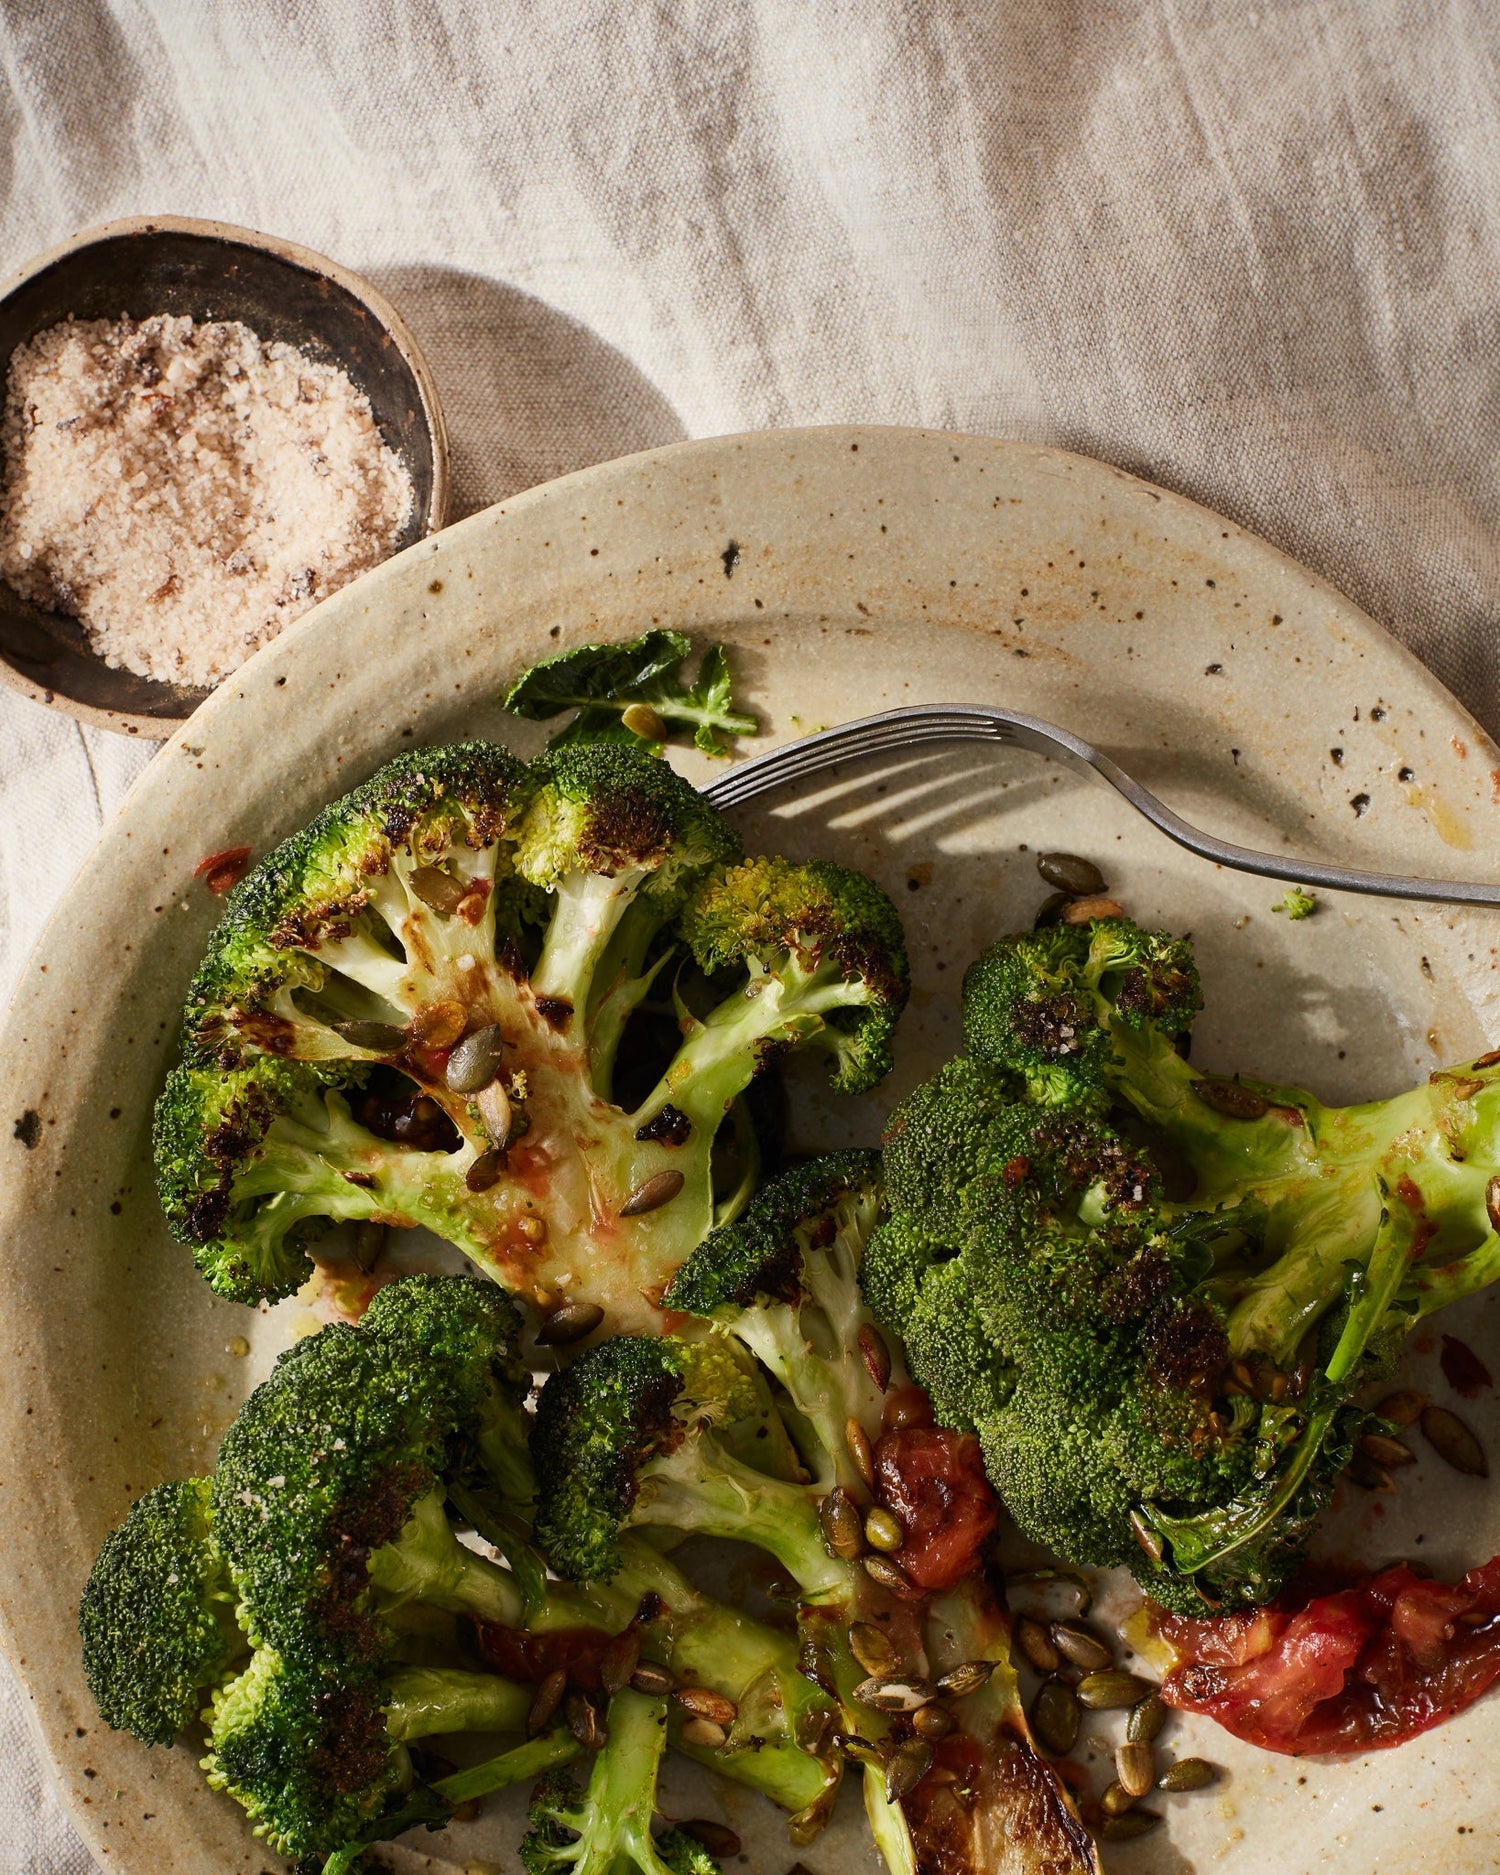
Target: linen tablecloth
{"type": "Point", "coordinates": [1249, 252]}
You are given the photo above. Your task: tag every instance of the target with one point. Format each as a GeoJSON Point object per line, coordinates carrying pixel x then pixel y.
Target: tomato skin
{"type": "Point", "coordinates": [1362, 1669]}
{"type": "Point", "coordinates": [935, 1482]}
{"type": "Point", "coordinates": [531, 1657]}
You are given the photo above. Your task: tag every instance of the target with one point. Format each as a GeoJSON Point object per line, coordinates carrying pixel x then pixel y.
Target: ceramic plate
{"type": "Point", "coordinates": [849, 570]}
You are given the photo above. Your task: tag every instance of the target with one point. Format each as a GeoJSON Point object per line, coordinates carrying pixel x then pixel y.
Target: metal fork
{"type": "Point", "coordinates": [922, 723]}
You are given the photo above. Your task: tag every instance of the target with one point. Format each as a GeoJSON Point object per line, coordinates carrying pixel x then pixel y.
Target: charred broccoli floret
{"type": "Point", "coordinates": [157, 1616]}
{"type": "Point", "coordinates": [1164, 1382]}
{"type": "Point", "coordinates": [413, 1011]}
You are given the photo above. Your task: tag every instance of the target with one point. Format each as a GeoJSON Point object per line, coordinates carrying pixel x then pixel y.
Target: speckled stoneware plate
{"type": "Point", "coordinates": [849, 570]}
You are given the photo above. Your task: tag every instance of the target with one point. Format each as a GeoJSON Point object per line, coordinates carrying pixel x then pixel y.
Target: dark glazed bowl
{"type": "Point", "coordinates": [209, 270]}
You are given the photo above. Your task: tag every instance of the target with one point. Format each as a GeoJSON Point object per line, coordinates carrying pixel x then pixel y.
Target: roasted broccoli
{"type": "Point", "coordinates": [413, 1012]}
{"type": "Point", "coordinates": [606, 1829]}
{"type": "Point", "coordinates": [1156, 1294]}
{"type": "Point", "coordinates": [157, 1616]}
{"type": "Point", "coordinates": [319, 1591]}
{"type": "Point", "coordinates": [890, 1509]}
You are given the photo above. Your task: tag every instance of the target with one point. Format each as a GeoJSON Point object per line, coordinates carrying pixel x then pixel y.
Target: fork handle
{"type": "Point", "coordinates": [893, 730]}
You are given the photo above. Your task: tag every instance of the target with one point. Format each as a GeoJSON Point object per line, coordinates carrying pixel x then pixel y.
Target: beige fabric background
{"type": "Point", "coordinates": [1249, 251]}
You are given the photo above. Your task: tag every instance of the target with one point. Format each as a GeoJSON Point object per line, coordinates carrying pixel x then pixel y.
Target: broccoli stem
{"type": "Point", "coordinates": [425, 1701]}
{"type": "Point", "coordinates": [720, 1057]}
{"type": "Point", "coordinates": [427, 1563]}
{"type": "Point", "coordinates": [615, 1814]}
{"type": "Point", "coordinates": [701, 1488]}
{"type": "Point", "coordinates": [587, 908]}
{"type": "Point", "coordinates": [437, 1802]}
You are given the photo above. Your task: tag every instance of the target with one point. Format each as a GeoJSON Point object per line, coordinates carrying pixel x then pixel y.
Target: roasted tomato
{"type": "Point", "coordinates": [531, 1657]}
{"type": "Point", "coordinates": [1365, 1667]}
{"type": "Point", "coordinates": [934, 1481]}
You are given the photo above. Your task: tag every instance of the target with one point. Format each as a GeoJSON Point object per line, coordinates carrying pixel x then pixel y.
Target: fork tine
{"type": "Point", "coordinates": [891, 730]}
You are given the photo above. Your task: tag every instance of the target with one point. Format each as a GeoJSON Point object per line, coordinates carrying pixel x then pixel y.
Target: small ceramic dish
{"type": "Point", "coordinates": [209, 270]}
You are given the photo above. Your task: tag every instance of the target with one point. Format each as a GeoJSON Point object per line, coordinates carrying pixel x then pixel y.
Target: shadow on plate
{"type": "Point", "coordinates": [529, 393]}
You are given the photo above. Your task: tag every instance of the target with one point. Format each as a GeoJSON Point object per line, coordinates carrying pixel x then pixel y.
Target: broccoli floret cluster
{"type": "Point", "coordinates": [313, 1597]}
{"type": "Point", "coordinates": [1163, 1381]}
{"type": "Point", "coordinates": [414, 1011]}
{"type": "Point", "coordinates": [686, 1433]}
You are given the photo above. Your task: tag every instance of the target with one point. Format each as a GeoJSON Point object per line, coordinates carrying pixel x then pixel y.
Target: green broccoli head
{"type": "Point", "coordinates": [597, 1423]}
{"type": "Point", "coordinates": [609, 808]}
{"type": "Point", "coordinates": [824, 942]}
{"type": "Point", "coordinates": [412, 1008]}
{"type": "Point", "coordinates": [771, 1252]}
{"type": "Point", "coordinates": [305, 1753]}
{"type": "Point", "coordinates": [1047, 1006]}
{"type": "Point", "coordinates": [329, 1482]}
{"type": "Point", "coordinates": [304, 940]}
{"type": "Point", "coordinates": [157, 1615]}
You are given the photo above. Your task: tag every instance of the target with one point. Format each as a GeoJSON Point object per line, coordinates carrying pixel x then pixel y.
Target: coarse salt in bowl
{"type": "Point", "coordinates": [229, 428]}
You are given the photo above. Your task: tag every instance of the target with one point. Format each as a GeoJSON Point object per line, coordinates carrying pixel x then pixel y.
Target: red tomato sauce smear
{"type": "Point", "coordinates": [1363, 1668]}
{"type": "Point", "coordinates": [934, 1480]}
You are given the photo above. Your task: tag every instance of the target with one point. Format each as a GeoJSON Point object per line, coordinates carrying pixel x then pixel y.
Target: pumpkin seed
{"type": "Point", "coordinates": [1386, 1451]}
{"type": "Point", "coordinates": [653, 1679]}
{"type": "Point", "coordinates": [584, 1721]}
{"type": "Point", "coordinates": [958, 1682]}
{"type": "Point", "coordinates": [619, 1660]}
{"type": "Point", "coordinates": [546, 1701]}
{"type": "Point", "coordinates": [1146, 1719]}
{"type": "Point", "coordinates": [1490, 1060]}
{"type": "Point", "coordinates": [438, 889]}
{"type": "Point", "coordinates": [488, 1169]}
{"type": "Point", "coordinates": [717, 1838]}
{"type": "Point", "coordinates": [475, 1060]}
{"type": "Point", "coordinates": [705, 1732]}
{"type": "Point", "coordinates": [884, 1530]}
{"type": "Point", "coordinates": [851, 1745]}
{"type": "Point", "coordinates": [1492, 1201]}
{"type": "Point", "coordinates": [1082, 1646]}
{"type": "Point", "coordinates": [570, 1321]}
{"type": "Point", "coordinates": [440, 1024]}
{"type": "Point", "coordinates": [1055, 1718]}
{"type": "Point", "coordinates": [661, 1188]}
{"type": "Point", "coordinates": [1022, 1578]}
{"type": "Point", "coordinates": [703, 1703]}
{"type": "Point", "coordinates": [378, 1038]}
{"type": "Point", "coordinates": [1036, 1644]}
{"type": "Point", "coordinates": [1116, 1799]}
{"type": "Point", "coordinates": [1402, 1408]}
{"type": "Point", "coordinates": [369, 1245]}
{"type": "Point", "coordinates": [876, 1355]}
{"type": "Point", "coordinates": [1126, 1828]}
{"type": "Point", "coordinates": [1049, 912]}
{"type": "Point", "coordinates": [1453, 1442]}
{"type": "Point", "coordinates": [495, 1110]}
{"type": "Point", "coordinates": [893, 1695]}
{"type": "Point", "coordinates": [843, 1532]}
{"type": "Point", "coordinates": [1079, 878]}
{"type": "Point", "coordinates": [1149, 1541]}
{"type": "Point", "coordinates": [909, 1763]}
{"type": "Point", "coordinates": [1363, 1471]}
{"type": "Point", "coordinates": [858, 1441]}
{"type": "Point", "coordinates": [1135, 1767]}
{"type": "Point", "coordinates": [1230, 1099]}
{"type": "Point", "coordinates": [1108, 1692]}
{"type": "Point", "coordinates": [1189, 1774]}
{"type": "Point", "coordinates": [1085, 910]}
{"type": "Point", "coordinates": [641, 720]}
{"type": "Point", "coordinates": [891, 1576]}
{"type": "Point", "coordinates": [871, 1649]}
{"type": "Point", "coordinates": [932, 1721]}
